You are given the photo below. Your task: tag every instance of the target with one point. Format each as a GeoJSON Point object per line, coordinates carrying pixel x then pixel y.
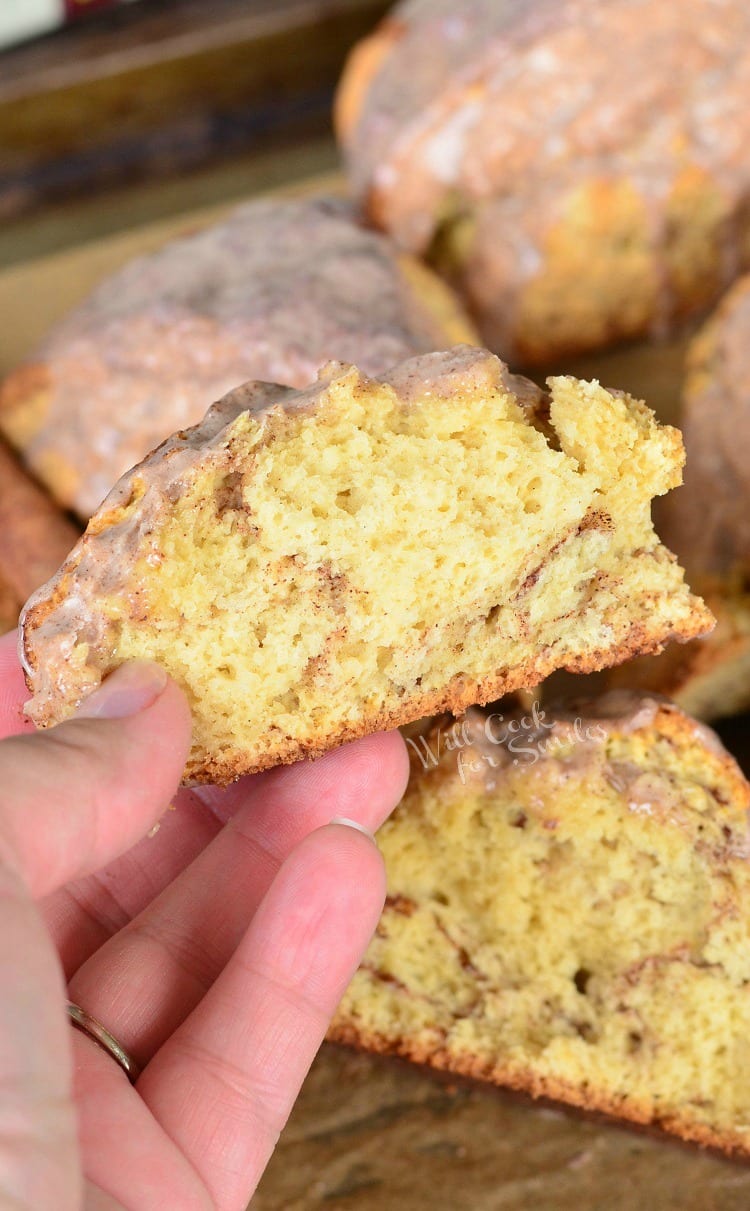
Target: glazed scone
{"type": "Point", "coordinates": [707, 521]}
{"type": "Point", "coordinates": [273, 292]}
{"type": "Point", "coordinates": [579, 168]}
{"type": "Point", "coordinates": [315, 565]}
{"type": "Point", "coordinates": [34, 538]}
{"type": "Point", "coordinates": [567, 915]}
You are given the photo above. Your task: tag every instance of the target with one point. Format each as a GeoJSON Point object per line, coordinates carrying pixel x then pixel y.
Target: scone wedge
{"type": "Point", "coordinates": [315, 565]}
{"type": "Point", "coordinates": [567, 915]}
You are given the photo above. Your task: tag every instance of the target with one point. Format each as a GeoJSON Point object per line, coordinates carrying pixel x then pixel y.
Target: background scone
{"type": "Point", "coordinates": [707, 521]}
{"type": "Point", "coordinates": [34, 538]}
{"type": "Point", "coordinates": [580, 168]}
{"type": "Point", "coordinates": [708, 677]}
{"type": "Point", "coordinates": [709, 518]}
{"type": "Point", "coordinates": [567, 915]}
{"type": "Point", "coordinates": [315, 565]}
{"type": "Point", "coordinates": [273, 292]}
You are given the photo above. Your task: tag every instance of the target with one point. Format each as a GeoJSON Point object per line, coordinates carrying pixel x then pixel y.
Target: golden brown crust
{"type": "Point", "coordinates": [20, 384]}
{"type": "Point", "coordinates": [628, 1108]}
{"type": "Point", "coordinates": [457, 697]}
{"type": "Point", "coordinates": [675, 723]}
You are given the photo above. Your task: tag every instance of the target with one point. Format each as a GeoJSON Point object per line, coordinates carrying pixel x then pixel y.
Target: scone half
{"type": "Point", "coordinates": [567, 915]}
{"type": "Point", "coordinates": [315, 565]}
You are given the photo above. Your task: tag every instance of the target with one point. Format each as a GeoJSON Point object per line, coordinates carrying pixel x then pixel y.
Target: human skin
{"type": "Point", "coordinates": [215, 950]}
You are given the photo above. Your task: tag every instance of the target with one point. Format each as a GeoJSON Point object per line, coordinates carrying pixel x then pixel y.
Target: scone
{"type": "Point", "coordinates": [707, 521]}
{"type": "Point", "coordinates": [315, 565]}
{"type": "Point", "coordinates": [273, 292]}
{"type": "Point", "coordinates": [579, 168]}
{"type": "Point", "coordinates": [709, 518]}
{"type": "Point", "coordinates": [34, 538]}
{"type": "Point", "coordinates": [567, 915]}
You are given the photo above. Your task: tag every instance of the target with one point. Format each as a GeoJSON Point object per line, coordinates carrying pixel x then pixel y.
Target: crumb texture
{"type": "Point", "coordinates": [315, 565]}
{"type": "Point", "coordinates": [567, 910]}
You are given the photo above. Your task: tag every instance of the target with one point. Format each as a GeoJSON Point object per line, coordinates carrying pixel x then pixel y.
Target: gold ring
{"type": "Point", "coordinates": [94, 1030]}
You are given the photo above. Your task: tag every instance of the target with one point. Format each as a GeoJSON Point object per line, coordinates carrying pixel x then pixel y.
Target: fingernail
{"type": "Point", "coordinates": [347, 823]}
{"type": "Point", "coordinates": [130, 689]}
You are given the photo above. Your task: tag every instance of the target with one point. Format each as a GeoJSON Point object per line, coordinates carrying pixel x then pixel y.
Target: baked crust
{"type": "Point", "coordinates": [457, 697]}
{"type": "Point", "coordinates": [272, 292]}
{"type": "Point", "coordinates": [520, 153]}
{"type": "Point", "coordinates": [628, 1109]}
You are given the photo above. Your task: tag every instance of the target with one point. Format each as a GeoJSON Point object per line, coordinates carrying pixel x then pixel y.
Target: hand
{"type": "Point", "coordinates": [215, 950]}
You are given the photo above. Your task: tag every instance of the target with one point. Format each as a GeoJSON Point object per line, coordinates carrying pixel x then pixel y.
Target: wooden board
{"type": "Point", "coordinates": [369, 1134]}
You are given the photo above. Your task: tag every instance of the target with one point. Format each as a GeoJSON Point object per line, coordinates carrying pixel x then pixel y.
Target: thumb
{"type": "Point", "coordinates": [76, 796]}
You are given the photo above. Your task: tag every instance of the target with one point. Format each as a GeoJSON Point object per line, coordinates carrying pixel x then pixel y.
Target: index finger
{"type": "Point", "coordinates": [13, 692]}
